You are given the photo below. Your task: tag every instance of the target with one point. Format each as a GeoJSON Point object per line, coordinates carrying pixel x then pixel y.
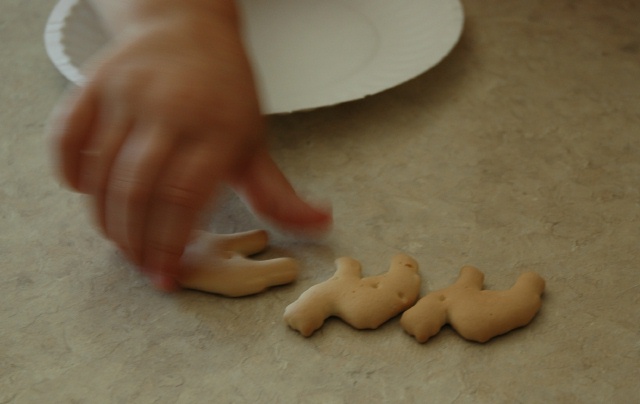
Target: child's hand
{"type": "Point", "coordinates": [168, 114]}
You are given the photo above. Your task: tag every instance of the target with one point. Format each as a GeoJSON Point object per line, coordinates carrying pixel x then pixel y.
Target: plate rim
{"type": "Point", "coordinates": [57, 51]}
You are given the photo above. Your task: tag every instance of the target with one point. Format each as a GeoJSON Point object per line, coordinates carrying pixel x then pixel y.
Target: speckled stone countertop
{"type": "Point", "coordinates": [521, 150]}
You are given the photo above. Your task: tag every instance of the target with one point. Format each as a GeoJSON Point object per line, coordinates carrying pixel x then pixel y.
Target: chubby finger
{"type": "Point", "coordinates": [127, 197]}
{"type": "Point", "coordinates": [71, 124]}
{"type": "Point", "coordinates": [180, 194]}
{"type": "Point", "coordinates": [270, 194]}
{"type": "Point", "coordinates": [97, 159]}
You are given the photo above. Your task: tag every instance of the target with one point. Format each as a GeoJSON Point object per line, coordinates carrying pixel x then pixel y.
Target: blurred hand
{"type": "Point", "coordinates": [168, 114]}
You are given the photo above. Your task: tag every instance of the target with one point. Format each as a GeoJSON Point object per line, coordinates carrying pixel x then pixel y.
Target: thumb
{"type": "Point", "coordinates": [271, 196]}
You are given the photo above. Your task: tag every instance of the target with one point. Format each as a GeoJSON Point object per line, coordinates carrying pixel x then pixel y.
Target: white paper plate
{"type": "Point", "coordinates": [307, 53]}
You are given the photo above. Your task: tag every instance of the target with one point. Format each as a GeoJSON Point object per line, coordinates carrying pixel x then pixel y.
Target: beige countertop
{"type": "Point", "coordinates": [521, 150]}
